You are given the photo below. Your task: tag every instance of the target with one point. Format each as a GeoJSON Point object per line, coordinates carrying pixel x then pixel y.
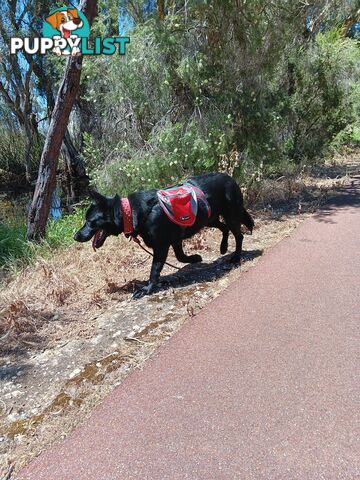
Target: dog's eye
{"type": "Point", "coordinates": [70, 17]}
{"type": "Point", "coordinates": [63, 20]}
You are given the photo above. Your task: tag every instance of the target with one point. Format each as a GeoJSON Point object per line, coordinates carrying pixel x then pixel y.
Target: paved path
{"type": "Point", "coordinates": [262, 384]}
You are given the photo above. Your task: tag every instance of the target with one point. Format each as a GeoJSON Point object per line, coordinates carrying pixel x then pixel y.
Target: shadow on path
{"type": "Point", "coordinates": [348, 196]}
{"type": "Point", "coordinates": [204, 272]}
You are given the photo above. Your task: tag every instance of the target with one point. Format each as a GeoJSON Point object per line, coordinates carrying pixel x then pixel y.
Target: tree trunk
{"type": "Point", "coordinates": [74, 178]}
{"type": "Point", "coordinates": [41, 203]}
{"type": "Point", "coordinates": [75, 168]}
{"type": "Point", "coordinates": [32, 133]}
{"type": "Point", "coordinates": [76, 164]}
{"type": "Point", "coordinates": [161, 9]}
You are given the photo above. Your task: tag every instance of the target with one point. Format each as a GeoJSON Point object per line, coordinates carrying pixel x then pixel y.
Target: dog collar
{"type": "Point", "coordinates": [125, 207]}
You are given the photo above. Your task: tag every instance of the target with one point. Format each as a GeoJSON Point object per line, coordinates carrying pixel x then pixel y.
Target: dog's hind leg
{"type": "Point", "coordinates": [225, 231]}
{"type": "Point", "coordinates": [182, 257]}
{"type": "Point", "coordinates": [160, 255]}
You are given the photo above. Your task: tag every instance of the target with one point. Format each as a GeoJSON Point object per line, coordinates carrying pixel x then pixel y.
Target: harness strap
{"type": "Point", "coordinates": [200, 195]}
{"type": "Point", "coordinates": [127, 216]}
{"type": "Point", "coordinates": [136, 240]}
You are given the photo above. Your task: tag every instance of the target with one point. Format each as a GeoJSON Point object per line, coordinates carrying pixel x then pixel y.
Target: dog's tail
{"type": "Point", "coordinates": [247, 220]}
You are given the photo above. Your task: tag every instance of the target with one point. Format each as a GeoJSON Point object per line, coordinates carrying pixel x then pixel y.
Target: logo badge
{"type": "Point", "coordinates": [66, 26]}
{"type": "Point", "coordinates": [66, 31]}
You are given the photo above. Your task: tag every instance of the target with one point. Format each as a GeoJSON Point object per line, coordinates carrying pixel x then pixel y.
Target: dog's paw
{"type": "Point", "coordinates": [141, 292]}
{"type": "Point", "coordinates": [195, 258]}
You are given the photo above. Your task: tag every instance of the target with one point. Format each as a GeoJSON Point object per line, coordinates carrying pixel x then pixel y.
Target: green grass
{"type": "Point", "coordinates": [61, 232]}
{"type": "Point", "coordinates": [16, 252]}
{"type": "Point", "coordinates": [12, 244]}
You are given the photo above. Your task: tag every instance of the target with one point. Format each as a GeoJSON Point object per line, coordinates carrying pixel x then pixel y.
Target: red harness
{"type": "Point", "coordinates": [180, 205]}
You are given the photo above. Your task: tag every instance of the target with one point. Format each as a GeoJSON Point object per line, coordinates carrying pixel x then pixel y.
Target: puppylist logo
{"type": "Point", "coordinates": [66, 31]}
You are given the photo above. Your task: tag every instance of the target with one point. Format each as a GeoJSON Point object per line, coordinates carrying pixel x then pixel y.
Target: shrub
{"type": "Point", "coordinates": [193, 89]}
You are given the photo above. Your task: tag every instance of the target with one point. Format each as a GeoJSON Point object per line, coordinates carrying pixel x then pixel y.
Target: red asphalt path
{"type": "Point", "coordinates": [262, 384]}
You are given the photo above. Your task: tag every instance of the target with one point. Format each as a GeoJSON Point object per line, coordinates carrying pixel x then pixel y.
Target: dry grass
{"type": "Point", "coordinates": [75, 282]}
{"type": "Point", "coordinates": [305, 185]}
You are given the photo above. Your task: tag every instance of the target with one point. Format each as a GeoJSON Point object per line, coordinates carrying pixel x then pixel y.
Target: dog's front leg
{"type": "Point", "coordinates": [181, 257]}
{"type": "Point", "coordinates": [160, 255]}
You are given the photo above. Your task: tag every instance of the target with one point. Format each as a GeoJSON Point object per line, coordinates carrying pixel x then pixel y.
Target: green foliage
{"type": "Point", "coordinates": [61, 232]}
{"type": "Point", "coordinates": [326, 101]}
{"type": "Point", "coordinates": [16, 252]}
{"type": "Point", "coordinates": [196, 87]}
{"type": "Point", "coordinates": [12, 151]}
{"type": "Point", "coordinates": [13, 147]}
{"type": "Point", "coordinates": [174, 151]}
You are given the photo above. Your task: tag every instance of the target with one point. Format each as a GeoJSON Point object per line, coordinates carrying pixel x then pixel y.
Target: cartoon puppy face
{"type": "Point", "coordinates": [65, 22]}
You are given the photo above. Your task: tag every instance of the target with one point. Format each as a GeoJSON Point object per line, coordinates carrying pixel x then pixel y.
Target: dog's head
{"type": "Point", "coordinates": [103, 218]}
{"type": "Point", "coordinates": [65, 21]}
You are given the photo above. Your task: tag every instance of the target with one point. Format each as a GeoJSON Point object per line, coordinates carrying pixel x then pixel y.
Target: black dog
{"type": "Point", "coordinates": [105, 217]}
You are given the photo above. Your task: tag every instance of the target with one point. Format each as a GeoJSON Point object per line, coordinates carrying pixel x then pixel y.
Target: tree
{"type": "Point", "coordinates": [40, 207]}
{"type": "Point", "coordinates": [16, 81]}
{"type": "Point", "coordinates": [161, 9]}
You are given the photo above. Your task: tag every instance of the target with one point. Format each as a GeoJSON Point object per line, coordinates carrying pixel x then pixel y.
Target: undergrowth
{"type": "Point", "coordinates": [16, 252]}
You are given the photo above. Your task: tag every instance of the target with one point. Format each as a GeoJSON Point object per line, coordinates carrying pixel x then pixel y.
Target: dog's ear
{"type": "Point", "coordinates": [54, 20]}
{"type": "Point", "coordinates": [73, 12]}
{"type": "Point", "coordinates": [97, 197]}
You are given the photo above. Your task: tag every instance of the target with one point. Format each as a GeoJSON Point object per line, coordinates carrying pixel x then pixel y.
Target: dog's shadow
{"type": "Point", "coordinates": [204, 272]}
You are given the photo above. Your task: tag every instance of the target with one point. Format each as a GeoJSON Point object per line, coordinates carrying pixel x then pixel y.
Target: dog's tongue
{"type": "Point", "coordinates": [66, 33]}
{"type": "Point", "coordinates": [95, 239]}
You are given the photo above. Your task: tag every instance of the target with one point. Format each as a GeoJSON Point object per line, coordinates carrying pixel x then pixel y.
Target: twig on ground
{"type": "Point", "coordinates": [9, 472]}
{"type": "Point", "coordinates": [137, 340]}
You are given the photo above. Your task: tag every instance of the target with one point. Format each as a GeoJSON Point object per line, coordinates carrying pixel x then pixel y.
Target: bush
{"type": "Point", "coordinates": [12, 151]}
{"type": "Point", "coordinates": [196, 88]}
{"type": "Point", "coordinates": [175, 151]}
{"type": "Point", "coordinates": [13, 146]}
{"type": "Point", "coordinates": [326, 101]}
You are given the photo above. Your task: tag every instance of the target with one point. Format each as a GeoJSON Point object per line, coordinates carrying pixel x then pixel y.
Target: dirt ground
{"type": "Point", "coordinates": [70, 333]}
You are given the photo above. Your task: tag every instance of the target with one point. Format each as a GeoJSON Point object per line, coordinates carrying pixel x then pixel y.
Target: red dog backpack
{"type": "Point", "coordinates": [180, 204]}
